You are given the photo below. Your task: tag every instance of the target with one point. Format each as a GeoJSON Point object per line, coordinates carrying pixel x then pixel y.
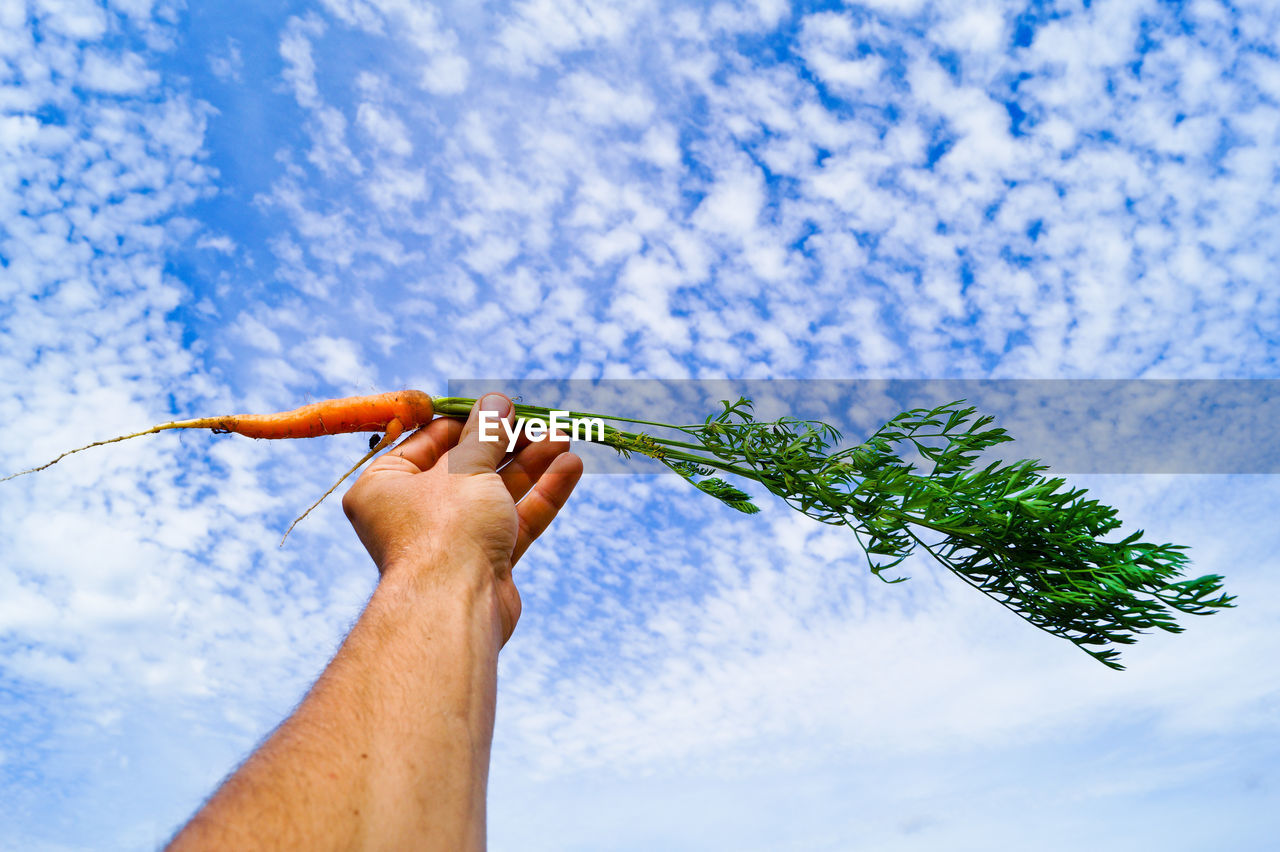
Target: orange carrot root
{"type": "Point", "coordinates": [410, 408]}
{"type": "Point", "coordinates": [393, 413]}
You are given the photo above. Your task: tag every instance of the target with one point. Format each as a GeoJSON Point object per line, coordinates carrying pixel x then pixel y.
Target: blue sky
{"type": "Point", "coordinates": [208, 208]}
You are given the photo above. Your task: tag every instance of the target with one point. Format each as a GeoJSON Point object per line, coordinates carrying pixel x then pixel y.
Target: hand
{"type": "Point", "coordinates": [438, 508]}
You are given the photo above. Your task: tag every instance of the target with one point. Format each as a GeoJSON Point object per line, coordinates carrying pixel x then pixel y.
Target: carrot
{"type": "Point", "coordinates": [390, 413]}
{"type": "Point", "coordinates": [1007, 531]}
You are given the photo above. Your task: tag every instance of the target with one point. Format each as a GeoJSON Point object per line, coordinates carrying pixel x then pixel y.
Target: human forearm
{"type": "Point", "coordinates": [390, 748]}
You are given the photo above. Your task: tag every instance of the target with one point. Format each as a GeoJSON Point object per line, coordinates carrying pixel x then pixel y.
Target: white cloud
{"type": "Point", "coordinates": [359, 13]}
{"type": "Point", "coordinates": [222, 244]}
{"type": "Point", "coordinates": [256, 334]}
{"type": "Point", "coordinates": [976, 29]}
{"type": "Point", "coordinates": [417, 25]}
{"type": "Point", "coordinates": [117, 74]}
{"type": "Point", "coordinates": [228, 64]}
{"type": "Point", "coordinates": [661, 146]}
{"type": "Point", "coordinates": [830, 47]}
{"type": "Point", "coordinates": [618, 243]}
{"type": "Point", "coordinates": [491, 255]}
{"type": "Point", "coordinates": [541, 30]}
{"type": "Point", "coordinates": [752, 16]}
{"type": "Point", "coordinates": [18, 130]}
{"type": "Point", "coordinates": [392, 189]}
{"type": "Point", "coordinates": [300, 66]}
{"type": "Point", "coordinates": [76, 19]}
{"type": "Point", "coordinates": [733, 205]}
{"type": "Point", "coordinates": [600, 103]}
{"type": "Point", "coordinates": [385, 129]}
{"type": "Point", "coordinates": [329, 150]}
{"type": "Point", "coordinates": [446, 75]}
{"type": "Point", "coordinates": [338, 361]}
{"type": "Point", "coordinates": [898, 7]}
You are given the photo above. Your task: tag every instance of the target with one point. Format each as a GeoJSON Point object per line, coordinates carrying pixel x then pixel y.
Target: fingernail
{"type": "Point", "coordinates": [496, 402]}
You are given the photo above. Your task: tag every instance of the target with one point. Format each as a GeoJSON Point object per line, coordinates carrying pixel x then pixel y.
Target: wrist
{"type": "Point", "coordinates": [458, 560]}
{"type": "Point", "coordinates": [423, 583]}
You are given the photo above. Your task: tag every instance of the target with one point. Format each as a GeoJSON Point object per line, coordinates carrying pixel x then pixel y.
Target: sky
{"type": "Point", "coordinates": [239, 206]}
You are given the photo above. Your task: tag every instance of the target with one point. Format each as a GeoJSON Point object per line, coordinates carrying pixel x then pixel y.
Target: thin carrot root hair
{"type": "Point", "coordinates": [199, 423]}
{"type": "Point", "coordinates": [386, 441]}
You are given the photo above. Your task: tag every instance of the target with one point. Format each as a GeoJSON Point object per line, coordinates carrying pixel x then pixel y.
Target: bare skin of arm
{"type": "Point", "coordinates": [390, 748]}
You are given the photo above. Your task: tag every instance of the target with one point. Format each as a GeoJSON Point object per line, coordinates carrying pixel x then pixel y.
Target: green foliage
{"type": "Point", "coordinates": [735, 498]}
{"type": "Point", "coordinates": [1022, 539]}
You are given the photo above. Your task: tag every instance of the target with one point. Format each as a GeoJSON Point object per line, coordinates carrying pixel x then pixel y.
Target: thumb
{"type": "Point", "coordinates": [483, 441]}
